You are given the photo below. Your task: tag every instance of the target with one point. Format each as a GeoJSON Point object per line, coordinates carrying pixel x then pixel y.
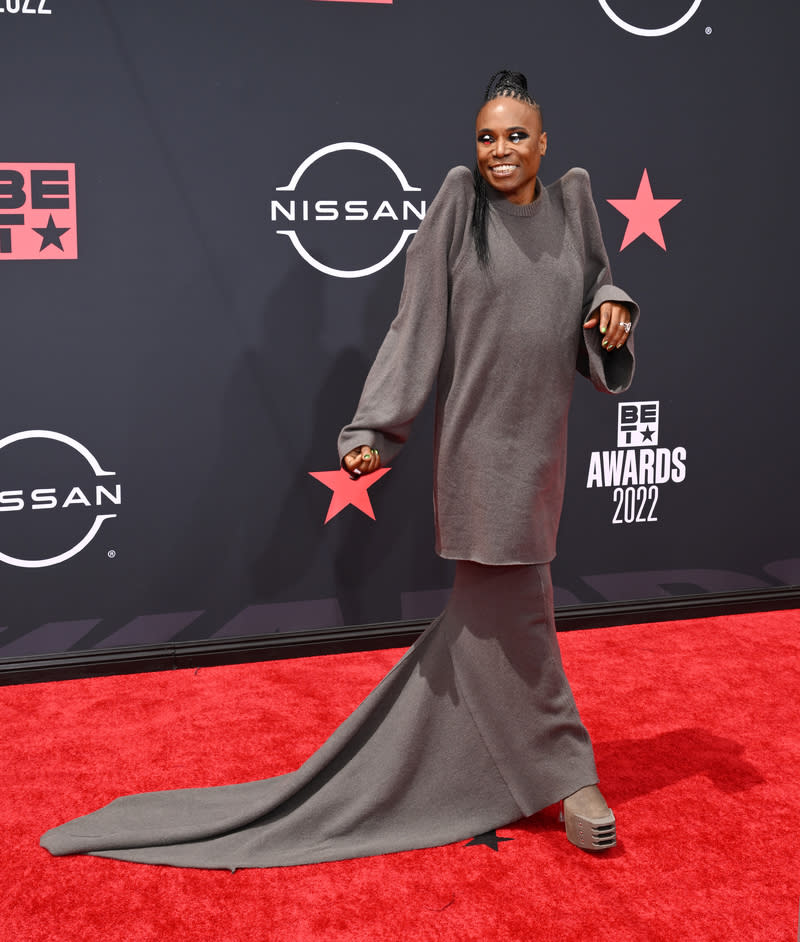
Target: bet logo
{"type": "Point", "coordinates": [675, 15]}
{"type": "Point", "coordinates": [638, 468]}
{"type": "Point", "coordinates": [54, 498]}
{"type": "Point", "coordinates": [347, 210]}
{"type": "Point", "coordinates": [37, 211]}
{"type": "Point", "coordinates": [637, 424]}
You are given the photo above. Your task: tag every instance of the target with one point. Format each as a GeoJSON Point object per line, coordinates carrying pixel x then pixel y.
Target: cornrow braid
{"type": "Point", "coordinates": [503, 84]}
{"type": "Point", "coordinates": [478, 224]}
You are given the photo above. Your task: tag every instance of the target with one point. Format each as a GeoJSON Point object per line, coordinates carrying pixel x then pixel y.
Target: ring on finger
{"type": "Point", "coordinates": [626, 326]}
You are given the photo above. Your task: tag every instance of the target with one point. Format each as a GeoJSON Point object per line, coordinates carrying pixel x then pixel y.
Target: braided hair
{"type": "Point", "coordinates": [503, 84]}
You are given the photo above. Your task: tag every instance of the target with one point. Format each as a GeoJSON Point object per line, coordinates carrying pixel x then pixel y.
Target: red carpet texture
{"type": "Point", "coordinates": [695, 727]}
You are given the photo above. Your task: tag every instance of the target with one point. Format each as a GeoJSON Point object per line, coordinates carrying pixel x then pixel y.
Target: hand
{"type": "Point", "coordinates": [362, 460]}
{"type": "Point", "coordinates": [611, 318]}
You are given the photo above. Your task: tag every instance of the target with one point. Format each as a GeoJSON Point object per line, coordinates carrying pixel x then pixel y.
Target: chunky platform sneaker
{"type": "Point", "coordinates": [589, 822]}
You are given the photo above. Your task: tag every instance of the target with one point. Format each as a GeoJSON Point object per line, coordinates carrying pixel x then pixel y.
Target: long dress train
{"type": "Point", "coordinates": [474, 728]}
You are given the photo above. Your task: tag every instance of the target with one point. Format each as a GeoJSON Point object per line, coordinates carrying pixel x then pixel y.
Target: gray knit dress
{"type": "Point", "coordinates": [476, 726]}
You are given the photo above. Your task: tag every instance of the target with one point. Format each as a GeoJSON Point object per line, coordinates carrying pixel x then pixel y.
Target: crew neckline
{"type": "Point", "coordinates": [505, 206]}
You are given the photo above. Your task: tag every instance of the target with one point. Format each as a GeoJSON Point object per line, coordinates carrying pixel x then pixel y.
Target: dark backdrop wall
{"type": "Point", "coordinates": [203, 213]}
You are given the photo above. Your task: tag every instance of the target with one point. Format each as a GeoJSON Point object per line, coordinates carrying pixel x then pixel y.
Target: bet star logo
{"type": "Point", "coordinates": [644, 214]}
{"type": "Point", "coordinates": [37, 207]}
{"type": "Point", "coordinates": [347, 490]}
{"type": "Point", "coordinates": [51, 234]}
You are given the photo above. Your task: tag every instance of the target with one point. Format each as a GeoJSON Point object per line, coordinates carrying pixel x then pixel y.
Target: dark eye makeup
{"type": "Point", "coordinates": [516, 137]}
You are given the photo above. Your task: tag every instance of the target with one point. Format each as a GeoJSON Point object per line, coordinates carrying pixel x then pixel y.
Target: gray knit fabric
{"type": "Point", "coordinates": [503, 344]}
{"type": "Point", "coordinates": [474, 728]}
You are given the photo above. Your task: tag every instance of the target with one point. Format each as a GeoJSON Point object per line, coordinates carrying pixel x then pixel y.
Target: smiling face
{"type": "Point", "coordinates": [510, 145]}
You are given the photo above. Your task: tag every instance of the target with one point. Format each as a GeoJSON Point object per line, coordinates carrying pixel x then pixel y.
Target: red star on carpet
{"type": "Point", "coordinates": [347, 490]}
{"type": "Point", "coordinates": [643, 214]}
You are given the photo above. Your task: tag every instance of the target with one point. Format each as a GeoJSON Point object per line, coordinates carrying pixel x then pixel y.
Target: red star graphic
{"type": "Point", "coordinates": [643, 214]}
{"type": "Point", "coordinates": [347, 490]}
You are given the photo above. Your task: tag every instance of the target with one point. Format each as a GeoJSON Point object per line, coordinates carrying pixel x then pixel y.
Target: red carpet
{"type": "Point", "coordinates": [696, 732]}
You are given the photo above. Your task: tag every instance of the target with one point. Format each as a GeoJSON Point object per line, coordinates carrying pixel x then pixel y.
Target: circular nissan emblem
{"type": "Point", "coordinates": [44, 498]}
{"type": "Point", "coordinates": [329, 210]}
{"type": "Point", "coordinates": [642, 31]}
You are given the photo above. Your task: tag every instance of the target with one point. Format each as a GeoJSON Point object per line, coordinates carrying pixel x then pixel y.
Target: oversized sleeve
{"type": "Point", "coordinates": [407, 362]}
{"type": "Point", "coordinates": [609, 372]}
